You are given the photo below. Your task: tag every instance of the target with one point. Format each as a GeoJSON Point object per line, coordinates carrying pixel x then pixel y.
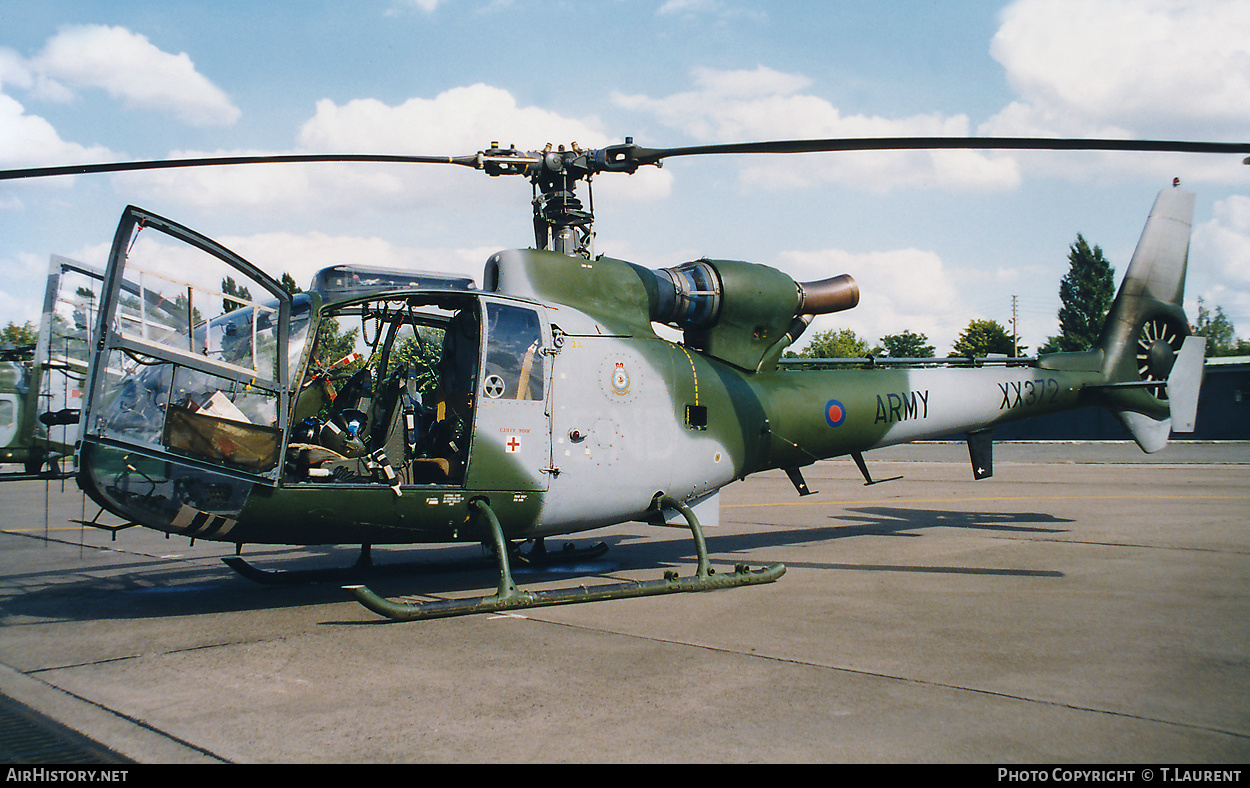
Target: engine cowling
{"type": "Point", "coordinates": [742, 313]}
{"type": "Point", "coordinates": [738, 312]}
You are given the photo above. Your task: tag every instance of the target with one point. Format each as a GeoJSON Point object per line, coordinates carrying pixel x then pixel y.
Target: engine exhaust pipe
{"type": "Point", "coordinates": [835, 294]}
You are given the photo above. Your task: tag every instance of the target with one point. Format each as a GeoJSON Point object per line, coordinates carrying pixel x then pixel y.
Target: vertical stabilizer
{"type": "Point", "coordinates": [1184, 383]}
{"type": "Point", "coordinates": [1151, 385]}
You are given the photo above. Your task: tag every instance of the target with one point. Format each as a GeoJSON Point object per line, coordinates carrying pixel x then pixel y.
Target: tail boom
{"type": "Point", "coordinates": [1145, 368]}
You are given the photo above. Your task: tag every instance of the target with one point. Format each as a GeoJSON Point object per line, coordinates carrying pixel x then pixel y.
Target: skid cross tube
{"type": "Point", "coordinates": [509, 597]}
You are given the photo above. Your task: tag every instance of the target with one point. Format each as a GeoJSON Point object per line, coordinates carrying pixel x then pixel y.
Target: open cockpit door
{"type": "Point", "coordinates": [188, 389]}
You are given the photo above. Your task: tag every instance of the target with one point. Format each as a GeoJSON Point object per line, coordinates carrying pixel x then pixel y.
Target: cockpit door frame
{"type": "Point", "coordinates": [512, 447]}
{"type": "Point", "coordinates": [108, 339]}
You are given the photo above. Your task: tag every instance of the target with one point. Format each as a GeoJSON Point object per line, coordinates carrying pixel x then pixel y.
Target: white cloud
{"type": "Point", "coordinates": [764, 104]}
{"type": "Point", "coordinates": [29, 140]}
{"type": "Point", "coordinates": [1138, 67]}
{"type": "Point", "coordinates": [129, 67]}
{"type": "Point", "coordinates": [1222, 246]}
{"type": "Point", "coordinates": [1080, 68]}
{"type": "Point", "coordinates": [718, 10]}
{"type": "Point", "coordinates": [427, 6]}
{"type": "Point", "coordinates": [419, 126]}
{"type": "Point", "coordinates": [441, 124]}
{"type": "Point", "coordinates": [258, 189]}
{"type": "Point", "coordinates": [303, 254]}
{"type": "Point", "coordinates": [123, 63]}
{"type": "Point", "coordinates": [21, 299]}
{"type": "Point", "coordinates": [13, 70]}
{"type": "Point", "coordinates": [1226, 238]}
{"type": "Point", "coordinates": [686, 6]}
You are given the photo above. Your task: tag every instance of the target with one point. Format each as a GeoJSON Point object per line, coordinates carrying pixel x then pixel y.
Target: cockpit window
{"type": "Point", "coordinates": [191, 302]}
{"type": "Point", "coordinates": [514, 365]}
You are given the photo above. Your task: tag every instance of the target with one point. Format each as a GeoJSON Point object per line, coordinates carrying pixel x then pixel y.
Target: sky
{"type": "Point", "coordinates": [934, 239]}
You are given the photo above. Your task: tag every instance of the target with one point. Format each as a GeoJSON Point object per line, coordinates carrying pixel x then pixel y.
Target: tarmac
{"type": "Point", "coordinates": [1088, 604]}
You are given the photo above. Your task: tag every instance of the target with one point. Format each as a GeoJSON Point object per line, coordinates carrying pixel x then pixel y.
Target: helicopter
{"type": "Point", "coordinates": [400, 407]}
{"type": "Point", "coordinates": [41, 383]}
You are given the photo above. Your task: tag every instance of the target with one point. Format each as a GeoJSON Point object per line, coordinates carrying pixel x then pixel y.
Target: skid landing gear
{"type": "Point", "coordinates": [536, 556]}
{"type": "Point", "coordinates": [509, 597]}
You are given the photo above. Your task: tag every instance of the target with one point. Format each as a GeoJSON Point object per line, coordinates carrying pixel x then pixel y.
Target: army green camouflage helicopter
{"type": "Point", "coordinates": [41, 382]}
{"type": "Point", "coordinates": [393, 407]}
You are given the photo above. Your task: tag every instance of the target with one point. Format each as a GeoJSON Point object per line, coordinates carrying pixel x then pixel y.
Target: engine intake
{"type": "Point", "coordinates": [690, 295]}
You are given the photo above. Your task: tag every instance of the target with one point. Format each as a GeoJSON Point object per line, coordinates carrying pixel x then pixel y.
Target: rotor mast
{"type": "Point", "coordinates": [561, 223]}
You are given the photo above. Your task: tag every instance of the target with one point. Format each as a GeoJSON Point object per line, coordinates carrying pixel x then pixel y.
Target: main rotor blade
{"type": "Point", "coordinates": [163, 164]}
{"type": "Point", "coordinates": [630, 156]}
{"type": "Point", "coordinates": [653, 155]}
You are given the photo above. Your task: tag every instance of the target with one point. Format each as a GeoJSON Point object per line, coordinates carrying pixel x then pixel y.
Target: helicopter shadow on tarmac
{"type": "Point", "coordinates": [895, 521]}
{"type": "Point", "coordinates": [192, 585]}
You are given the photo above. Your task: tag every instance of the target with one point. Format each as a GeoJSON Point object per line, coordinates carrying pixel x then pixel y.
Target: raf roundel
{"type": "Point", "coordinates": [835, 413]}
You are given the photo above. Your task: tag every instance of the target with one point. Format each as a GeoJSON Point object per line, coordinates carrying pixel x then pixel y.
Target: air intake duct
{"type": "Point", "coordinates": [689, 295]}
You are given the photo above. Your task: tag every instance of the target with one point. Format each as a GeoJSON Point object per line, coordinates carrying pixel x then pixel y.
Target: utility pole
{"type": "Point", "coordinates": [1015, 333]}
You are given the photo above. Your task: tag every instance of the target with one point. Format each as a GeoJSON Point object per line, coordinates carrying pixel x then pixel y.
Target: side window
{"type": "Point", "coordinates": [8, 418]}
{"type": "Point", "coordinates": [514, 363]}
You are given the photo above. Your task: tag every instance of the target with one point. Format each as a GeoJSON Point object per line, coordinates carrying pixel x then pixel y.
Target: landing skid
{"type": "Point", "coordinates": [537, 556]}
{"type": "Point", "coordinates": [508, 597]}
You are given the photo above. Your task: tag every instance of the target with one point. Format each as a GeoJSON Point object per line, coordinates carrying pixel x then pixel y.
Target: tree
{"type": "Point", "coordinates": [906, 345]}
{"type": "Point", "coordinates": [1218, 330]}
{"type": "Point", "coordinates": [181, 302]}
{"type": "Point", "coordinates": [288, 284]}
{"type": "Point", "coordinates": [1085, 295]}
{"type": "Point", "coordinates": [25, 334]}
{"type": "Point", "coordinates": [333, 344]}
{"type": "Point", "coordinates": [836, 343]}
{"type": "Point", "coordinates": [420, 350]}
{"type": "Point", "coordinates": [229, 287]}
{"type": "Point", "coordinates": [983, 337]}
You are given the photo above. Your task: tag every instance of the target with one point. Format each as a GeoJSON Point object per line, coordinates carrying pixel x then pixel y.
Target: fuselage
{"type": "Point", "coordinates": [375, 410]}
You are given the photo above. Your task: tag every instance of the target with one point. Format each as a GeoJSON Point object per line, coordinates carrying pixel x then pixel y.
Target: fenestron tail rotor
{"type": "Point", "coordinates": [1158, 343]}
